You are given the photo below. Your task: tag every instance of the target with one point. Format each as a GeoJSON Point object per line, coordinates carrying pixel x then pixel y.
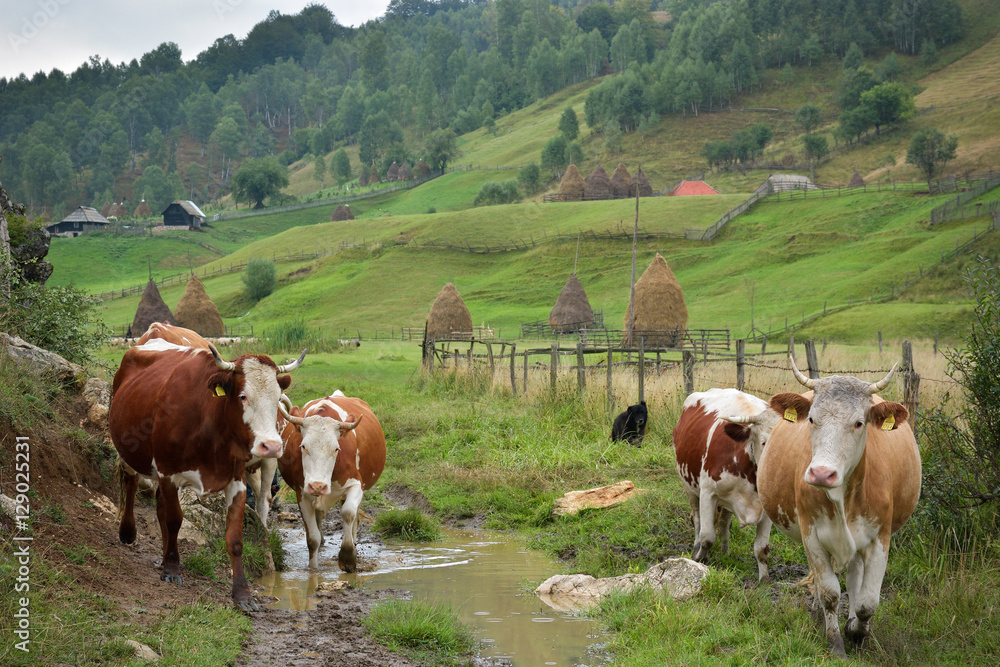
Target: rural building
{"type": "Point", "coordinates": [687, 188]}
{"type": "Point", "coordinates": [784, 182]}
{"type": "Point", "coordinates": [183, 213]}
{"type": "Point", "coordinates": [83, 219]}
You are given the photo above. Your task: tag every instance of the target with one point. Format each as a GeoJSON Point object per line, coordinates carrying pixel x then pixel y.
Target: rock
{"type": "Point", "coordinates": [41, 360]}
{"type": "Point", "coordinates": [143, 652]}
{"type": "Point", "coordinates": [325, 588]}
{"type": "Point", "coordinates": [602, 496]}
{"type": "Point", "coordinates": [681, 578]}
{"type": "Point", "coordinates": [29, 256]}
{"type": "Point", "coordinates": [287, 516]}
{"type": "Point", "coordinates": [8, 507]}
{"type": "Point", "coordinates": [97, 392]}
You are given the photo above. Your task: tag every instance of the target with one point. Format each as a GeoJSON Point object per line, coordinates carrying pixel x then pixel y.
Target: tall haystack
{"type": "Point", "coordinates": [363, 178]}
{"type": "Point", "coordinates": [348, 213]}
{"type": "Point", "coordinates": [621, 182]}
{"type": "Point", "coordinates": [404, 173]}
{"type": "Point", "coordinates": [421, 169]}
{"type": "Point", "coordinates": [572, 187]}
{"type": "Point", "coordinates": [142, 211]}
{"type": "Point", "coordinates": [856, 181]}
{"type": "Point", "coordinates": [597, 185]}
{"type": "Point", "coordinates": [572, 310]}
{"type": "Point", "coordinates": [641, 183]}
{"type": "Point", "coordinates": [338, 214]}
{"type": "Point", "coordinates": [119, 211]}
{"type": "Point", "coordinates": [448, 315]}
{"type": "Point", "coordinates": [660, 312]}
{"type": "Point", "coordinates": [151, 309]}
{"type": "Point", "coordinates": [196, 311]}
{"type": "Point", "coordinates": [392, 174]}
{"type": "Point", "coordinates": [373, 176]}
{"type": "Point", "coordinates": [106, 209]}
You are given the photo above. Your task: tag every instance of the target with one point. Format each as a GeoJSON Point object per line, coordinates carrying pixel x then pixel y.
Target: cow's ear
{"type": "Point", "coordinates": [738, 432]}
{"type": "Point", "coordinates": [887, 415]}
{"type": "Point", "coordinates": [284, 381]}
{"type": "Point", "coordinates": [221, 383]}
{"type": "Point", "coordinates": [791, 407]}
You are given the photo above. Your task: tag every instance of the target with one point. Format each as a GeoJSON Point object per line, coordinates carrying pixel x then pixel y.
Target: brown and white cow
{"type": "Point", "coordinates": [841, 474]}
{"type": "Point", "coordinates": [257, 468]}
{"type": "Point", "coordinates": [185, 416]}
{"type": "Point", "coordinates": [334, 450]}
{"type": "Point", "coordinates": [717, 462]}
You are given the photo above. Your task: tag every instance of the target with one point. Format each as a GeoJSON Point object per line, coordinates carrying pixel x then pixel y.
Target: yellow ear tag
{"type": "Point", "coordinates": [219, 390]}
{"type": "Point", "coordinates": [889, 422]}
{"type": "Point", "coordinates": [791, 415]}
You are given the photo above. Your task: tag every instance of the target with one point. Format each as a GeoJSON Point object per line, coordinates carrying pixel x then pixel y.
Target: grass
{"type": "Point", "coordinates": [428, 632]}
{"type": "Point", "coordinates": [409, 524]}
{"type": "Point", "coordinates": [213, 559]}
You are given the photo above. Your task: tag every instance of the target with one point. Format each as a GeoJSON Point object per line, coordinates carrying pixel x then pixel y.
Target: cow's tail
{"type": "Point", "coordinates": [123, 473]}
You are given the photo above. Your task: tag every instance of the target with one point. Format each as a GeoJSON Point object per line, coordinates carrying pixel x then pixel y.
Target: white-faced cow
{"type": "Point", "coordinates": [334, 450]}
{"type": "Point", "coordinates": [717, 442]}
{"type": "Point", "coordinates": [185, 416]}
{"type": "Point", "coordinates": [841, 474]}
{"type": "Point", "coordinates": [257, 468]}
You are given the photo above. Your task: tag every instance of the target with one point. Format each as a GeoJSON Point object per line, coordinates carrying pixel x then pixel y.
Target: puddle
{"type": "Point", "coordinates": [487, 579]}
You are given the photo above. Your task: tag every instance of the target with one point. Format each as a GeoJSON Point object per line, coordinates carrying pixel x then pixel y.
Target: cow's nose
{"type": "Point", "coordinates": [317, 488]}
{"type": "Point", "coordinates": [268, 449]}
{"type": "Point", "coordinates": [820, 476]}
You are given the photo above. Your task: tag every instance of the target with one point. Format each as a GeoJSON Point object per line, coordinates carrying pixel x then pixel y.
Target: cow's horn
{"type": "Point", "coordinates": [220, 362]}
{"type": "Point", "coordinates": [752, 419]}
{"type": "Point", "coordinates": [799, 376]}
{"type": "Point", "coordinates": [876, 387]}
{"type": "Point", "coordinates": [291, 366]}
{"type": "Point", "coordinates": [347, 426]}
{"type": "Point", "coordinates": [286, 413]}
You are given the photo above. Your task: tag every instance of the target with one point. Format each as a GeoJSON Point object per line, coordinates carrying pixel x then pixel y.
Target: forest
{"type": "Point", "coordinates": [160, 127]}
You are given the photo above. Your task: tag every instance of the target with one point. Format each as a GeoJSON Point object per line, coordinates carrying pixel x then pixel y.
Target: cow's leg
{"type": "Point", "coordinates": [236, 498]}
{"type": "Point", "coordinates": [762, 548]}
{"type": "Point", "coordinates": [347, 559]}
{"type": "Point", "coordinates": [169, 516]}
{"type": "Point", "coordinates": [128, 484]}
{"type": "Point", "coordinates": [259, 482]}
{"type": "Point", "coordinates": [865, 588]}
{"type": "Point", "coordinates": [706, 536]}
{"type": "Point", "coordinates": [725, 522]}
{"type": "Point", "coordinates": [313, 532]}
{"type": "Point", "coordinates": [827, 593]}
{"type": "Point", "coordinates": [694, 502]}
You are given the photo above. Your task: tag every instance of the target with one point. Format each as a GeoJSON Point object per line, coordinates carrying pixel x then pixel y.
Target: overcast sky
{"type": "Point", "coordinates": [43, 34]}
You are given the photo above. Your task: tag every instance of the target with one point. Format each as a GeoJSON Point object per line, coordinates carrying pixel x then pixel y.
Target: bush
{"type": "Point", "coordinates": [530, 178]}
{"type": "Point", "coordinates": [259, 279]}
{"type": "Point", "coordinates": [497, 192]}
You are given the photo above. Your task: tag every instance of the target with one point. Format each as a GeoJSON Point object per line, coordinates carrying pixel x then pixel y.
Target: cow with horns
{"type": "Point", "coordinates": [841, 474]}
{"type": "Point", "coordinates": [182, 414]}
{"type": "Point", "coordinates": [334, 451]}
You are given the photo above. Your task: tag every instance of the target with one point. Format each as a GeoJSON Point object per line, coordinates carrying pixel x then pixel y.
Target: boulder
{"type": "Point", "coordinates": [41, 360]}
{"type": "Point", "coordinates": [29, 256]}
{"type": "Point", "coordinates": [602, 496]}
{"type": "Point", "coordinates": [142, 652]}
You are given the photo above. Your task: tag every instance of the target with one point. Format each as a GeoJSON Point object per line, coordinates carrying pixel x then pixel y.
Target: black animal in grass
{"type": "Point", "coordinates": [630, 425]}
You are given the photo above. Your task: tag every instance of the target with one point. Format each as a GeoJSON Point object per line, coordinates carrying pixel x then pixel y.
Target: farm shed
{"type": "Point", "coordinates": [183, 213]}
{"type": "Point", "coordinates": [448, 317]}
{"type": "Point", "coordinates": [660, 312]}
{"type": "Point", "coordinates": [83, 219]}
{"type": "Point", "coordinates": [690, 188]}
{"type": "Point", "coordinates": [572, 310]}
{"type": "Point", "coordinates": [195, 311]}
{"type": "Point", "coordinates": [151, 309]}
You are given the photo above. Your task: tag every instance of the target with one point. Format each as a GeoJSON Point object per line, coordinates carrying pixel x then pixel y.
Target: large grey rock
{"type": "Point", "coordinates": [97, 393]}
{"type": "Point", "coordinates": [29, 256]}
{"type": "Point", "coordinates": [41, 360]}
{"type": "Point", "coordinates": [142, 652]}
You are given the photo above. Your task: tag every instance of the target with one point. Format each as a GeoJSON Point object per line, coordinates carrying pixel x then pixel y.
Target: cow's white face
{"type": "Point", "coordinates": [760, 431]}
{"type": "Point", "coordinates": [259, 399]}
{"type": "Point", "coordinates": [838, 428]}
{"type": "Point", "coordinates": [320, 447]}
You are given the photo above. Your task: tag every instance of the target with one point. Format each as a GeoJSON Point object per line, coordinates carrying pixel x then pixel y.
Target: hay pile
{"type": "Point", "coordinates": [106, 209]}
{"type": "Point", "coordinates": [142, 211]}
{"type": "Point", "coordinates": [404, 173]}
{"type": "Point", "coordinates": [151, 309]}
{"type": "Point", "coordinates": [392, 174]}
{"type": "Point", "coordinates": [338, 214]}
{"type": "Point", "coordinates": [373, 176]}
{"type": "Point", "coordinates": [641, 183]}
{"type": "Point", "coordinates": [621, 182]}
{"type": "Point", "coordinates": [659, 307]}
{"type": "Point", "coordinates": [572, 187]}
{"type": "Point", "coordinates": [119, 211]}
{"type": "Point", "coordinates": [856, 181]}
{"type": "Point", "coordinates": [196, 311]}
{"type": "Point", "coordinates": [363, 178]}
{"type": "Point", "coordinates": [448, 315]}
{"type": "Point", "coordinates": [420, 169]}
{"type": "Point", "coordinates": [597, 184]}
{"type": "Point", "coordinates": [572, 310]}
{"type": "Point", "coordinates": [348, 212]}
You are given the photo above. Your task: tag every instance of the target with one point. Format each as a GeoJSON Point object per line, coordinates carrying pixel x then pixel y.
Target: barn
{"type": "Point", "coordinates": [83, 219]}
{"type": "Point", "coordinates": [687, 188]}
{"type": "Point", "coordinates": [183, 213]}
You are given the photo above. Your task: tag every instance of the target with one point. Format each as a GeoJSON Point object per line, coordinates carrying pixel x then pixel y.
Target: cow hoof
{"type": "Point", "coordinates": [855, 631]}
{"type": "Point", "coordinates": [248, 605]}
{"type": "Point", "coordinates": [172, 578]}
{"type": "Point", "coordinates": [126, 535]}
{"type": "Point", "coordinates": [700, 554]}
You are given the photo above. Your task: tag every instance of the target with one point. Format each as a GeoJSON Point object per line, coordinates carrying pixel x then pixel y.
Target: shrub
{"type": "Point", "coordinates": [530, 178]}
{"type": "Point", "coordinates": [498, 192]}
{"type": "Point", "coordinates": [259, 278]}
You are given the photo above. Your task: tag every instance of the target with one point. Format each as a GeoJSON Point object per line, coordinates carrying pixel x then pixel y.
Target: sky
{"type": "Point", "coordinates": [45, 34]}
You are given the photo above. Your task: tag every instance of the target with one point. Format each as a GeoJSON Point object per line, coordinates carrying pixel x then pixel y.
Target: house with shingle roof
{"type": "Point", "coordinates": [183, 213]}
{"type": "Point", "coordinates": [83, 219]}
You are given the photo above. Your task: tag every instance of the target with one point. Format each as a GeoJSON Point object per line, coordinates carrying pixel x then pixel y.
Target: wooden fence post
{"type": "Point", "coordinates": [581, 369]}
{"type": "Point", "coordinates": [611, 393]}
{"type": "Point", "coordinates": [740, 361]}
{"type": "Point", "coordinates": [642, 368]}
{"type": "Point", "coordinates": [688, 372]}
{"type": "Point", "coordinates": [456, 360]}
{"type": "Point", "coordinates": [880, 342]}
{"type": "Point", "coordinates": [554, 365]}
{"type": "Point", "coordinates": [791, 345]}
{"type": "Point", "coordinates": [763, 344]}
{"type": "Point", "coordinates": [524, 388]}
{"type": "Point", "coordinates": [489, 355]}
{"type": "Point", "coordinates": [911, 386]}
{"type": "Point", "coordinates": [513, 357]}
{"type": "Point", "coordinates": [811, 361]}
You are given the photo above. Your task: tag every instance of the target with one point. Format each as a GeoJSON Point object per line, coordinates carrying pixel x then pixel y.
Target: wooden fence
{"type": "Point", "coordinates": [956, 209]}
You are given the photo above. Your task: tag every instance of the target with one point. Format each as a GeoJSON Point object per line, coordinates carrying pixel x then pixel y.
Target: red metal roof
{"type": "Point", "coordinates": [693, 188]}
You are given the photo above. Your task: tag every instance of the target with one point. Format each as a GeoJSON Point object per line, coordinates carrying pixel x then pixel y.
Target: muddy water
{"type": "Point", "coordinates": [487, 579]}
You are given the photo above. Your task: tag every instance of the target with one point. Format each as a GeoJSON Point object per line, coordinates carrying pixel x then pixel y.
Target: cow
{"type": "Point", "coordinates": [182, 414]}
{"type": "Point", "coordinates": [630, 424]}
{"type": "Point", "coordinates": [256, 468]}
{"type": "Point", "coordinates": [334, 450]}
{"type": "Point", "coordinates": [841, 474]}
{"type": "Point", "coordinates": [717, 442]}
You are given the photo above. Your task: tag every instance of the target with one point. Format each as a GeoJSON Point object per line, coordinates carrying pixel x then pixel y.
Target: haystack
{"type": "Point", "coordinates": [151, 309]}
{"type": "Point", "coordinates": [660, 312]}
{"type": "Point", "coordinates": [572, 187]}
{"type": "Point", "coordinates": [404, 173]}
{"type": "Point", "coordinates": [363, 178]}
{"type": "Point", "coordinates": [348, 212]}
{"type": "Point", "coordinates": [572, 310]}
{"type": "Point", "coordinates": [392, 174]}
{"type": "Point", "coordinates": [142, 211]}
{"type": "Point", "coordinates": [339, 214]}
{"type": "Point", "coordinates": [856, 181]}
{"type": "Point", "coordinates": [597, 184]}
{"type": "Point", "coordinates": [373, 176]}
{"type": "Point", "coordinates": [621, 182]}
{"type": "Point", "coordinates": [106, 209]}
{"type": "Point", "coordinates": [641, 183]}
{"type": "Point", "coordinates": [196, 311]}
{"type": "Point", "coordinates": [119, 211]}
{"type": "Point", "coordinates": [448, 315]}
{"type": "Point", "coordinates": [421, 169]}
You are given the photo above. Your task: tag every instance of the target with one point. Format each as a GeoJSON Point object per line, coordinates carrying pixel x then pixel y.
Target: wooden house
{"type": "Point", "coordinates": [183, 213]}
{"type": "Point", "coordinates": [83, 219]}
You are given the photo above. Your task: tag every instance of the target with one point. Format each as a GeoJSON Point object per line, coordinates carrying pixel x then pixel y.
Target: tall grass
{"type": "Point", "coordinates": [430, 632]}
{"type": "Point", "coordinates": [409, 524]}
